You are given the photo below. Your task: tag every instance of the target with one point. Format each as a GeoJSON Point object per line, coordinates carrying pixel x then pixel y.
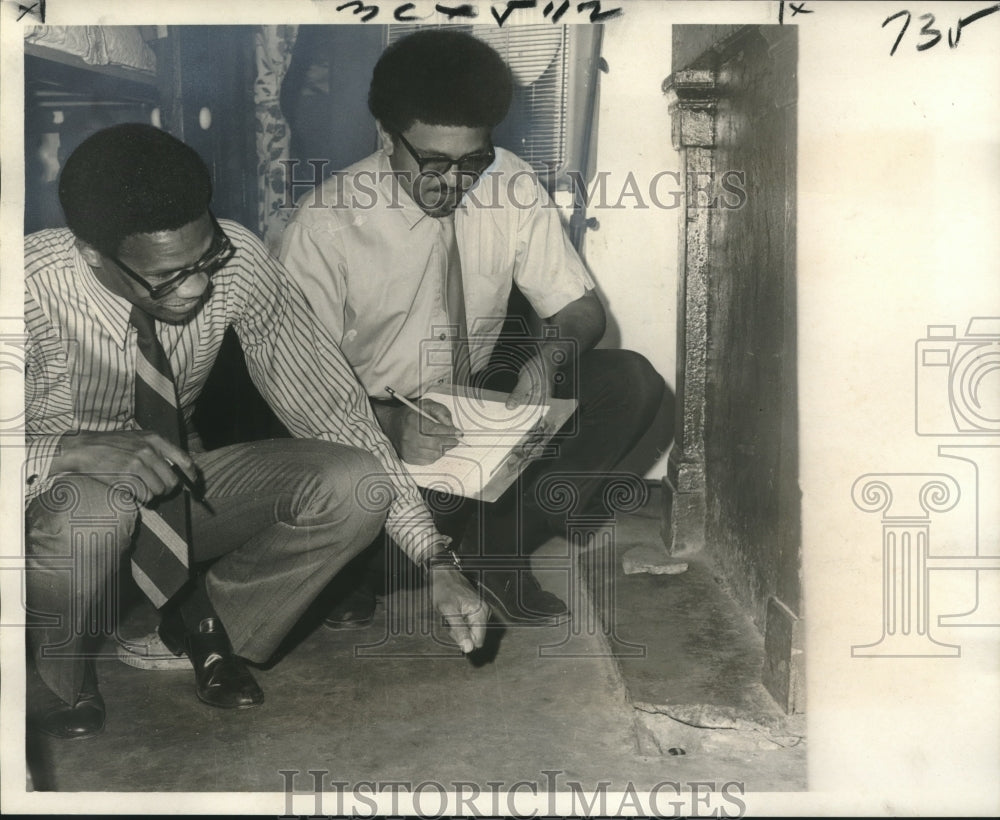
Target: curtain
{"type": "Point", "coordinates": [273, 53]}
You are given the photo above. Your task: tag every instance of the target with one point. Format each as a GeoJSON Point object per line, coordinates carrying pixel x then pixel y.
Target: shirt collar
{"type": "Point", "coordinates": [409, 209]}
{"type": "Point", "coordinates": [111, 310]}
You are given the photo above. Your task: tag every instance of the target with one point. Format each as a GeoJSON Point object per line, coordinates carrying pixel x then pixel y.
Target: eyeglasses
{"type": "Point", "coordinates": [218, 254]}
{"type": "Point", "coordinates": [471, 164]}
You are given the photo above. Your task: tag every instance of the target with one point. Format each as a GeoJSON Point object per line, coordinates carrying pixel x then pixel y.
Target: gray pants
{"type": "Point", "coordinates": [287, 516]}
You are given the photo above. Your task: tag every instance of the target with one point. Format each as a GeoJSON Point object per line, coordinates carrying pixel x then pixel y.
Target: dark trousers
{"type": "Point", "coordinates": [619, 393]}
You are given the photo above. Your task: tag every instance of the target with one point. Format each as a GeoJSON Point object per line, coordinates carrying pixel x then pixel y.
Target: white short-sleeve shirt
{"type": "Point", "coordinates": [373, 266]}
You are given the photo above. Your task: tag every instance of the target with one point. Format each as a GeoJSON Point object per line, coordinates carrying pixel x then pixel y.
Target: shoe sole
{"type": "Point", "coordinates": [339, 626]}
{"type": "Point", "coordinates": [232, 706]}
{"type": "Point", "coordinates": [151, 654]}
{"type": "Point", "coordinates": [56, 736]}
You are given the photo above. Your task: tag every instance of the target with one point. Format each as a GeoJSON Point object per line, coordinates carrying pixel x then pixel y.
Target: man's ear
{"type": "Point", "coordinates": [90, 254]}
{"type": "Point", "coordinates": [385, 138]}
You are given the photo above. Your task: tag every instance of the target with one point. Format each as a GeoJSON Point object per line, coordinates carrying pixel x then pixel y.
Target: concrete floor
{"type": "Point", "coordinates": [662, 688]}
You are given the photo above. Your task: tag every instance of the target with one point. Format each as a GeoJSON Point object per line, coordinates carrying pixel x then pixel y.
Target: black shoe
{"type": "Point", "coordinates": [82, 720]}
{"type": "Point", "coordinates": [529, 606]}
{"type": "Point", "coordinates": [221, 677]}
{"type": "Point", "coordinates": [354, 611]}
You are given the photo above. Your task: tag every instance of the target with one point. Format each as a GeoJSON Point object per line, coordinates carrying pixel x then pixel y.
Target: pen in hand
{"type": "Point", "coordinates": [407, 403]}
{"type": "Point", "coordinates": [195, 491]}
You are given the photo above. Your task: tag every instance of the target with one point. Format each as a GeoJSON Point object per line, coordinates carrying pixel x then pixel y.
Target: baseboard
{"type": "Point", "coordinates": [784, 657]}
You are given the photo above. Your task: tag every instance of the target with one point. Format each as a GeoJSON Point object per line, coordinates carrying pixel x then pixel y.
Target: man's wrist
{"type": "Point", "coordinates": [444, 557]}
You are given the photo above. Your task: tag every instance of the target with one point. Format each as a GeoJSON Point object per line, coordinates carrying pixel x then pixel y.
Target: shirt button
{"type": "Point", "coordinates": [443, 336]}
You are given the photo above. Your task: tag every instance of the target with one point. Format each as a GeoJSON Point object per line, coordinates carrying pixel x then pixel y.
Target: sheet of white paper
{"type": "Point", "coordinates": [490, 431]}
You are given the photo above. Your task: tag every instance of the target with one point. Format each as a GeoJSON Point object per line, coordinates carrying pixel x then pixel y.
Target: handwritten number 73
{"type": "Point", "coordinates": [932, 36]}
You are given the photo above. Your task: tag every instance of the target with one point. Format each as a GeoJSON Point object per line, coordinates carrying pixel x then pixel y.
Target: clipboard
{"type": "Point", "coordinates": [486, 472]}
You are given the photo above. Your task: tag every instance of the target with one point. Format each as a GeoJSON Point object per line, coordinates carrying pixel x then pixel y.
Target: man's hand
{"type": "Point", "coordinates": [461, 606]}
{"type": "Point", "coordinates": [418, 440]}
{"type": "Point", "coordinates": [139, 454]}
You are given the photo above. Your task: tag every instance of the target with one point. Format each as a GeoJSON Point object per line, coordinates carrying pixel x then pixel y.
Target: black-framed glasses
{"type": "Point", "coordinates": [472, 164]}
{"type": "Point", "coordinates": [218, 254]}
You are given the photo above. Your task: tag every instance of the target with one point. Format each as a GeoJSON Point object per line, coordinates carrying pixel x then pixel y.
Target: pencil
{"type": "Point", "coordinates": [192, 488]}
{"type": "Point", "coordinates": [405, 401]}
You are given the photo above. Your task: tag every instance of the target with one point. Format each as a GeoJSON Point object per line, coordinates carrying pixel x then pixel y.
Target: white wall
{"type": "Point", "coordinates": [898, 209]}
{"type": "Point", "coordinates": [633, 254]}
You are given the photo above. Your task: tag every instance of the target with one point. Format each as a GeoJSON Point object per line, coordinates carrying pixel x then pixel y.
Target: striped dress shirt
{"type": "Point", "coordinates": [81, 352]}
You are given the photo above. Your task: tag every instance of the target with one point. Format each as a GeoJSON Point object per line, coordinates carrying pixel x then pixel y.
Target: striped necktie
{"type": "Point", "coordinates": [455, 296]}
{"type": "Point", "coordinates": [160, 559]}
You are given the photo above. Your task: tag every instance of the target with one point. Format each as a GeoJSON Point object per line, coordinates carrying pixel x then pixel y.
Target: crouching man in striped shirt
{"type": "Point", "coordinates": [125, 313]}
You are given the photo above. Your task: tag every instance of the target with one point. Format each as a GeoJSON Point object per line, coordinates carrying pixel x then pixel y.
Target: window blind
{"type": "Point", "coordinates": [536, 129]}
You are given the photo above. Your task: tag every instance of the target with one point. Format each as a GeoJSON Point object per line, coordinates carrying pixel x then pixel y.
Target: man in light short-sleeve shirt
{"type": "Point", "coordinates": [380, 249]}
